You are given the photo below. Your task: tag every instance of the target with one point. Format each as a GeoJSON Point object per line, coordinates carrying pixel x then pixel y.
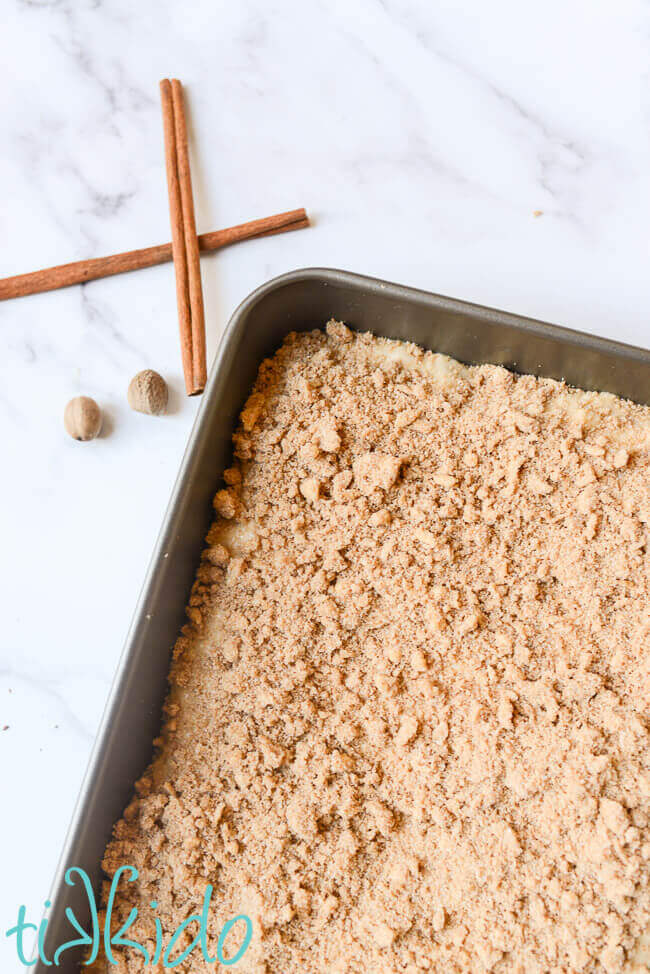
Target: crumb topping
{"type": "Point", "coordinates": [407, 727]}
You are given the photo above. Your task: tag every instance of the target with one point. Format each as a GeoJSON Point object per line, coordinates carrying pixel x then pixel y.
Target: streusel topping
{"type": "Point", "coordinates": [407, 727]}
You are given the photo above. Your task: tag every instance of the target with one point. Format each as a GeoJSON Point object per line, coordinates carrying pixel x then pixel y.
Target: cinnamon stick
{"type": "Point", "coordinates": [178, 237]}
{"type": "Point", "coordinates": [82, 271]}
{"type": "Point", "coordinates": [197, 313]}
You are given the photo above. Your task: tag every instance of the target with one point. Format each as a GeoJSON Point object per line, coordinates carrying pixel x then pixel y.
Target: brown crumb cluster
{"type": "Point", "coordinates": [408, 725]}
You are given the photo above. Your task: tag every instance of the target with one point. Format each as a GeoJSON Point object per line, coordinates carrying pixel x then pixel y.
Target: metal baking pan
{"type": "Point", "coordinates": [294, 302]}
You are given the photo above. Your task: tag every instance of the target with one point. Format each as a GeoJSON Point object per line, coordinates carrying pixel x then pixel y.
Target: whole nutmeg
{"type": "Point", "coordinates": [147, 393]}
{"type": "Point", "coordinates": [82, 418]}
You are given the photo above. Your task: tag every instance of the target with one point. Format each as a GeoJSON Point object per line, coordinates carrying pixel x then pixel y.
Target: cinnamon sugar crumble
{"type": "Point", "coordinates": [408, 722]}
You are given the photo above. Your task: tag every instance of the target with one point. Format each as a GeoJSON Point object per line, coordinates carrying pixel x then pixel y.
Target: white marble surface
{"type": "Point", "coordinates": [422, 137]}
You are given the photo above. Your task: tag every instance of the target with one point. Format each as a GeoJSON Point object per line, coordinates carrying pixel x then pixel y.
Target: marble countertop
{"type": "Point", "coordinates": [494, 152]}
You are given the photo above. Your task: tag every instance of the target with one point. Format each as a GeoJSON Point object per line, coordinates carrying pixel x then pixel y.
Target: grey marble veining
{"type": "Point", "coordinates": [422, 137]}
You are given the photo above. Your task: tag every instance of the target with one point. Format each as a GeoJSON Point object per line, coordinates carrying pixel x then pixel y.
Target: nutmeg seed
{"type": "Point", "coordinates": [147, 393]}
{"type": "Point", "coordinates": [82, 418]}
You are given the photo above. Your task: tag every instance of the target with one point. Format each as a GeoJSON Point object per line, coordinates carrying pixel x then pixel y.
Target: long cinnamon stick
{"type": "Point", "coordinates": [179, 250]}
{"type": "Point", "coordinates": [82, 271]}
{"type": "Point", "coordinates": [197, 313]}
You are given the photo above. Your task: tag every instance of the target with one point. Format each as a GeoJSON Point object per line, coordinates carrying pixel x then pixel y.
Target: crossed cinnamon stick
{"type": "Point", "coordinates": [82, 271]}
{"type": "Point", "coordinates": [184, 248]}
